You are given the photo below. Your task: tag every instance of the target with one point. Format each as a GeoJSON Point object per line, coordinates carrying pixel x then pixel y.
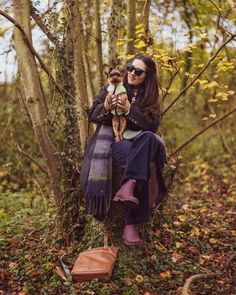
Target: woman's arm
{"type": "Point", "coordinates": [148, 122]}
{"type": "Point", "coordinates": [97, 113]}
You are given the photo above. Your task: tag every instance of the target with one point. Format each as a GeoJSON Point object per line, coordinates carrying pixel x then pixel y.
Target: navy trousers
{"type": "Point", "coordinates": [134, 157]}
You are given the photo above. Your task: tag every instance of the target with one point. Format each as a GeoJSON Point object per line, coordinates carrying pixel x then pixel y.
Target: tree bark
{"type": "Point", "coordinates": [131, 26]}
{"type": "Point", "coordinates": [35, 99]}
{"type": "Point", "coordinates": [79, 70]}
{"type": "Point", "coordinates": [143, 9]}
{"type": "Point", "coordinates": [114, 24]}
{"type": "Point", "coordinates": [98, 36]}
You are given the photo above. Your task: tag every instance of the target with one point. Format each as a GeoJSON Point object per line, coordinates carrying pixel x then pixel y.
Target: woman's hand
{"type": "Point", "coordinates": [123, 102]}
{"type": "Point", "coordinates": [110, 102]}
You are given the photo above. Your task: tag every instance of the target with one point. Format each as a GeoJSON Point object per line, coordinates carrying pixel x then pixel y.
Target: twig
{"type": "Point", "coordinates": [35, 15]}
{"type": "Point", "coordinates": [168, 87]}
{"type": "Point", "coordinates": [34, 52]}
{"type": "Point", "coordinates": [199, 74]}
{"type": "Point", "coordinates": [207, 275]}
{"type": "Point", "coordinates": [196, 277]}
{"type": "Point", "coordinates": [202, 131]}
{"type": "Point", "coordinates": [31, 158]}
{"type": "Point", "coordinates": [218, 19]}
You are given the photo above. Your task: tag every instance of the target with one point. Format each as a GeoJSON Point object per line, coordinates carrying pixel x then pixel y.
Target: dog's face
{"type": "Point", "coordinates": [115, 75]}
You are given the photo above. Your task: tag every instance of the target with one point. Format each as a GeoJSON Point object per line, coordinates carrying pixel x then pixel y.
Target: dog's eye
{"type": "Point", "coordinates": [115, 74]}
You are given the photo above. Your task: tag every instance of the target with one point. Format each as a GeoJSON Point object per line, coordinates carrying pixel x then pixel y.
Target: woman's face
{"type": "Point", "coordinates": [133, 79]}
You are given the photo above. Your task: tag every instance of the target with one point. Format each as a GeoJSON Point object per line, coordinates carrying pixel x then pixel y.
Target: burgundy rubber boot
{"type": "Point", "coordinates": [125, 195]}
{"type": "Point", "coordinates": [131, 236]}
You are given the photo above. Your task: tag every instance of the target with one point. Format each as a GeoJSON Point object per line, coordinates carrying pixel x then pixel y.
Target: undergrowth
{"type": "Point", "coordinates": [194, 233]}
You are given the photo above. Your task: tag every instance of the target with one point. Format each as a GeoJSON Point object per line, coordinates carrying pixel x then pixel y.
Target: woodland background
{"type": "Point", "coordinates": [51, 69]}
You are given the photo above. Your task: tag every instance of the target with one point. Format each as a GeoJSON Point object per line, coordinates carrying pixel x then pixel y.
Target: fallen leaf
{"type": "Point", "coordinates": [139, 279]}
{"type": "Point", "coordinates": [60, 272]}
{"type": "Point", "coordinates": [176, 257]}
{"type": "Point", "coordinates": [128, 281]}
{"type": "Point", "coordinates": [182, 218]}
{"type": "Point", "coordinates": [178, 245]}
{"type": "Point", "coordinates": [165, 274]}
{"type": "Point", "coordinates": [153, 258]}
{"type": "Point", "coordinates": [195, 231]}
{"type": "Point", "coordinates": [213, 241]}
{"type": "Point", "coordinates": [193, 249]}
{"type": "Point", "coordinates": [12, 264]}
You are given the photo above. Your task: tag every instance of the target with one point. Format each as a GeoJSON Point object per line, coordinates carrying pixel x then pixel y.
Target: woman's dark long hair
{"type": "Point", "coordinates": [150, 101]}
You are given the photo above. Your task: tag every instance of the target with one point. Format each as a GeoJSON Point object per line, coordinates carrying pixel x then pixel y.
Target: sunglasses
{"type": "Point", "coordinates": [137, 71]}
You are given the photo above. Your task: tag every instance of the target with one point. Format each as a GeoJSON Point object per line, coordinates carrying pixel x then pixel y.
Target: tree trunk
{"type": "Point", "coordinates": [188, 54]}
{"type": "Point", "coordinates": [79, 68]}
{"type": "Point", "coordinates": [131, 26]}
{"type": "Point", "coordinates": [98, 36]}
{"type": "Point", "coordinates": [114, 24]}
{"type": "Point", "coordinates": [144, 12]}
{"type": "Point", "coordinates": [35, 100]}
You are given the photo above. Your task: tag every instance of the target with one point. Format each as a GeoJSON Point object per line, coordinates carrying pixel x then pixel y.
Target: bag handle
{"type": "Point", "coordinates": [105, 241]}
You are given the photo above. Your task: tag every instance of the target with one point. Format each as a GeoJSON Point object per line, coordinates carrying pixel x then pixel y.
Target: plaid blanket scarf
{"type": "Point", "coordinates": [99, 186]}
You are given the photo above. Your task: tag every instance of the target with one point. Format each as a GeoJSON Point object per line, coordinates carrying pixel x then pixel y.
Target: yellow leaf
{"type": "Point", "coordinates": [212, 115]}
{"type": "Point", "coordinates": [210, 85]}
{"type": "Point", "coordinates": [140, 44]}
{"type": "Point", "coordinates": [202, 82]}
{"type": "Point", "coordinates": [178, 245]}
{"type": "Point", "coordinates": [231, 92]}
{"type": "Point", "coordinates": [203, 35]}
{"type": "Point", "coordinates": [139, 26]}
{"type": "Point", "coordinates": [3, 31]}
{"type": "Point", "coordinates": [129, 56]}
{"type": "Point", "coordinates": [165, 274]}
{"type": "Point", "coordinates": [139, 31]}
{"type": "Point", "coordinates": [204, 118]}
{"type": "Point", "coordinates": [119, 43]}
{"type": "Point", "coordinates": [139, 279]}
{"type": "Point", "coordinates": [213, 100]}
{"type": "Point", "coordinates": [182, 217]}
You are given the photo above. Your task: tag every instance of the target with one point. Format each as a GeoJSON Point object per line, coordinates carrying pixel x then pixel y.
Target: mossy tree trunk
{"type": "Point", "coordinates": [98, 36]}
{"type": "Point", "coordinates": [131, 12]}
{"type": "Point", "coordinates": [114, 24]}
{"type": "Point", "coordinates": [143, 9]}
{"type": "Point", "coordinates": [79, 72]}
{"type": "Point", "coordinates": [35, 100]}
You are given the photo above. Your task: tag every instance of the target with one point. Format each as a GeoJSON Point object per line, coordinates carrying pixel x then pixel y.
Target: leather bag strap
{"type": "Point", "coordinates": [105, 239]}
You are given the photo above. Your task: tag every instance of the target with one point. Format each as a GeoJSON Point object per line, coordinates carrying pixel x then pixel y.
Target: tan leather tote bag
{"type": "Point", "coordinates": [95, 263]}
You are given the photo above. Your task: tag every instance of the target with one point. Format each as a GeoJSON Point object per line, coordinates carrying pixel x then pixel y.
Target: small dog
{"type": "Point", "coordinates": [115, 86]}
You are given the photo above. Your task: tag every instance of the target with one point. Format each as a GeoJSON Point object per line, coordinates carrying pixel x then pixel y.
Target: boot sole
{"type": "Point", "coordinates": [131, 243]}
{"type": "Point", "coordinates": [126, 203]}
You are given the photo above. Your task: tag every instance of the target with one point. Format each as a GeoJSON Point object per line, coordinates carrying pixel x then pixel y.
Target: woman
{"type": "Point", "coordinates": [133, 154]}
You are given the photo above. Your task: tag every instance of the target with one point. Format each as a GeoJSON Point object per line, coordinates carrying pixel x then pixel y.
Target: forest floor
{"type": "Point", "coordinates": [195, 234]}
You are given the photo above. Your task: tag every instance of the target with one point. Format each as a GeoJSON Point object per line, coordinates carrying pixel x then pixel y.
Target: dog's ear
{"type": "Point", "coordinates": [107, 71]}
{"type": "Point", "coordinates": [121, 69]}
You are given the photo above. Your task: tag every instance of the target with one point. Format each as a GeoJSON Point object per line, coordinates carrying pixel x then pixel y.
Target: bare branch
{"type": "Point", "coordinates": [196, 277]}
{"type": "Point", "coordinates": [218, 19]}
{"type": "Point", "coordinates": [202, 131]}
{"type": "Point", "coordinates": [35, 15]}
{"type": "Point", "coordinates": [168, 87]}
{"type": "Point", "coordinates": [199, 74]}
{"type": "Point", "coordinates": [31, 158]}
{"type": "Point", "coordinates": [34, 52]}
